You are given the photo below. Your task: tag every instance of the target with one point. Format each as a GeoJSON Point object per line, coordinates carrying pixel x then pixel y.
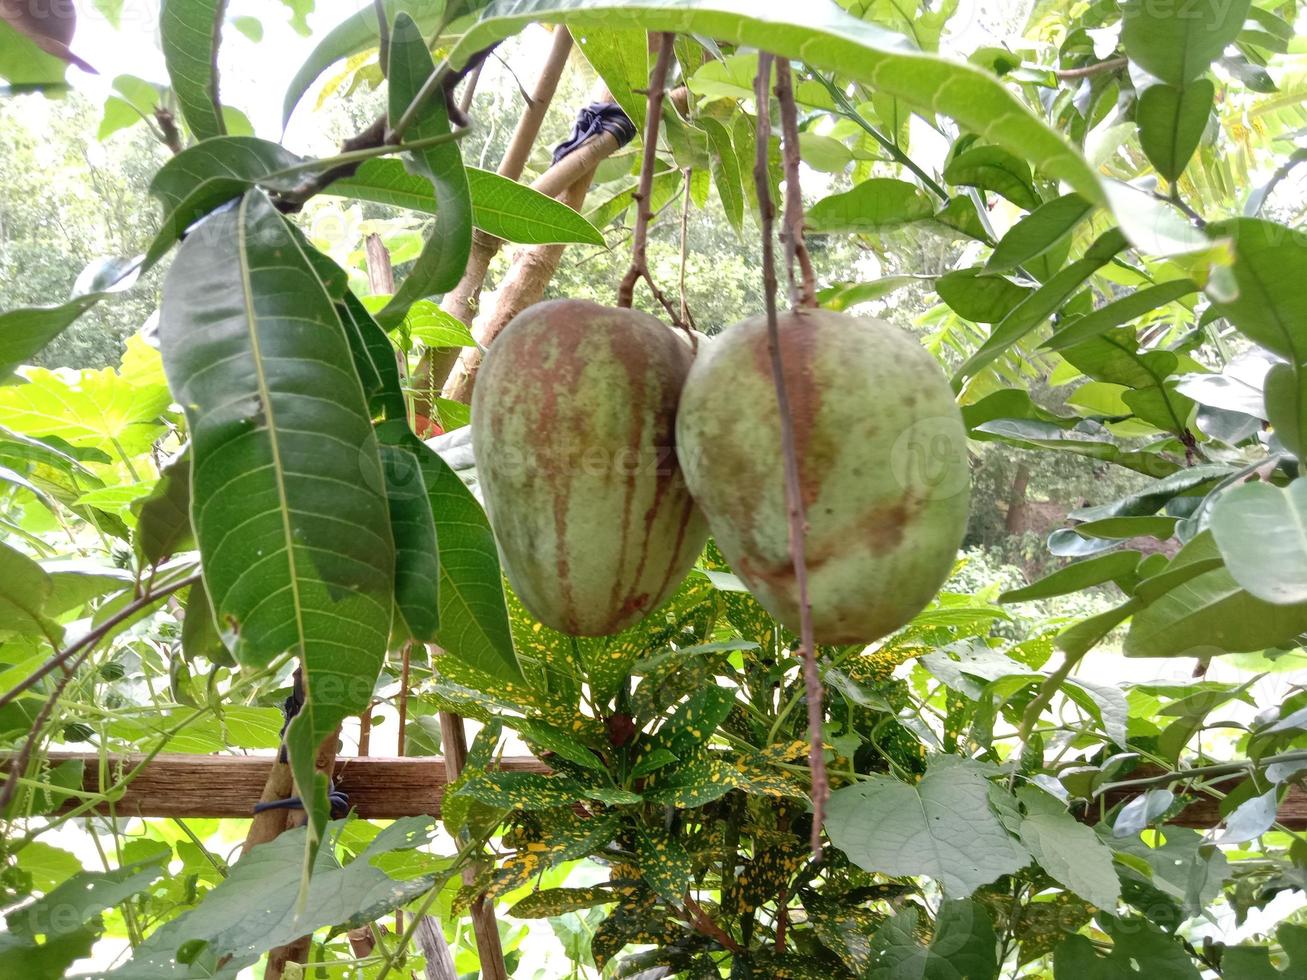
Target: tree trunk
{"type": "Point", "coordinates": [1016, 501]}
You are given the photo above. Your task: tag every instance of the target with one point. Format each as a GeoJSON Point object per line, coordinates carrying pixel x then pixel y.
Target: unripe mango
{"type": "Point", "coordinates": [882, 468]}
{"type": "Point", "coordinates": [573, 427]}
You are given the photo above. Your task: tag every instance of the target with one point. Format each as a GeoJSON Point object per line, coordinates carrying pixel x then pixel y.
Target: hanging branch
{"type": "Point", "coordinates": [793, 492]}
{"type": "Point", "coordinates": [803, 293]}
{"type": "Point", "coordinates": [639, 243]}
{"type": "Point", "coordinates": [685, 252]}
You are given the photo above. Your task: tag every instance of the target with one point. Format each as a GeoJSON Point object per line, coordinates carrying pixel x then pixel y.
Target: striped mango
{"type": "Point", "coordinates": [883, 468]}
{"type": "Point", "coordinates": [573, 427]}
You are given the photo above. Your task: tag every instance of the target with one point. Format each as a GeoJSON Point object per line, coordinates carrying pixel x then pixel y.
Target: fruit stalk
{"type": "Point", "coordinates": [793, 492]}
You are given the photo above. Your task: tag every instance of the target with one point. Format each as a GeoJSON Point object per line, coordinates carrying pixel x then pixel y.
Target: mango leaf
{"type": "Point", "coordinates": [473, 617]}
{"type": "Point", "coordinates": [163, 519]}
{"type": "Point", "coordinates": [288, 494]}
{"type": "Point", "coordinates": [1118, 566]}
{"type": "Point", "coordinates": [1041, 304]}
{"type": "Point", "coordinates": [620, 56]}
{"type": "Point", "coordinates": [963, 946]}
{"type": "Point", "coordinates": [1261, 530]}
{"type": "Point", "coordinates": [354, 34]}
{"type": "Point", "coordinates": [993, 168]}
{"type": "Point", "coordinates": [227, 928]}
{"type": "Point", "coordinates": [1171, 121]}
{"type": "Point", "coordinates": [982, 298]}
{"type": "Point", "coordinates": [941, 827]}
{"type": "Point", "coordinates": [517, 213]}
{"type": "Point", "coordinates": [1176, 42]}
{"type": "Point", "coordinates": [417, 561]}
{"type": "Point", "coordinates": [26, 330]}
{"type": "Point", "coordinates": [1046, 226]}
{"type": "Point", "coordinates": [840, 296]}
{"type": "Point", "coordinates": [1119, 311]}
{"type": "Point", "coordinates": [431, 326]}
{"type": "Point", "coordinates": [726, 171]}
{"type": "Point", "coordinates": [825, 37]}
{"type": "Point", "coordinates": [876, 204]}
{"type": "Point", "coordinates": [189, 32]}
{"type": "Point", "coordinates": [444, 255]}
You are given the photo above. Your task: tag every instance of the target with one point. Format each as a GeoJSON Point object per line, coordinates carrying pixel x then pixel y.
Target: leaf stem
{"type": "Point", "coordinates": [365, 154]}
{"type": "Point", "coordinates": [793, 491]}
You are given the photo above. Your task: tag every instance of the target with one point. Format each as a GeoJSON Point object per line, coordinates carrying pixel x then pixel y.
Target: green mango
{"type": "Point", "coordinates": [883, 468]}
{"type": "Point", "coordinates": [573, 428]}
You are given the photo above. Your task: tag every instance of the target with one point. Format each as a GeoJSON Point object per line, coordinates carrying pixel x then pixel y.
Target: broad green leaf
{"type": "Point", "coordinates": [1171, 121]}
{"type": "Point", "coordinates": [163, 519]}
{"type": "Point", "coordinates": [473, 618]}
{"type": "Point", "coordinates": [1140, 949]}
{"type": "Point", "coordinates": [354, 34]}
{"type": "Point", "coordinates": [1285, 395]}
{"type": "Point", "coordinates": [941, 827]}
{"type": "Point", "coordinates": [876, 204]}
{"type": "Point", "coordinates": [1209, 615]}
{"type": "Point", "coordinates": [963, 946]}
{"type": "Point", "coordinates": [1254, 962]}
{"type": "Point", "coordinates": [431, 326]}
{"type": "Point", "coordinates": [993, 168]}
{"type": "Point", "coordinates": [1034, 434]}
{"type": "Point", "coordinates": [1261, 530]}
{"type": "Point", "coordinates": [1120, 311]}
{"type": "Point", "coordinates": [973, 295]}
{"type": "Point", "coordinates": [288, 495]}
{"type": "Point", "coordinates": [1153, 496]}
{"type": "Point", "coordinates": [1128, 527]}
{"type": "Point", "coordinates": [1042, 229]}
{"type": "Point", "coordinates": [1067, 849]}
{"type": "Point", "coordinates": [24, 63]}
{"type": "Point", "coordinates": [1115, 357]}
{"type": "Point", "coordinates": [1270, 271]}
{"type": "Point", "coordinates": [517, 213]}
{"type": "Point", "coordinates": [1177, 41]}
{"type": "Point", "coordinates": [1118, 566]}
{"type": "Point", "coordinates": [1041, 304]}
{"type": "Point", "coordinates": [417, 562]}
{"type": "Point", "coordinates": [444, 255]}
{"type": "Point", "coordinates": [24, 590]}
{"type": "Point", "coordinates": [827, 38]}
{"type": "Point", "coordinates": [189, 32]}
{"type": "Point", "coordinates": [621, 57]}
{"type": "Point", "coordinates": [95, 409]}
{"type": "Point", "coordinates": [231, 928]}
{"type": "Point", "coordinates": [726, 171]}
{"type": "Point", "coordinates": [824, 153]}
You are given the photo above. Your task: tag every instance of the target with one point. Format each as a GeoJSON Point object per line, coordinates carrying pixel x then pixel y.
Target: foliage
{"type": "Point", "coordinates": [1093, 217]}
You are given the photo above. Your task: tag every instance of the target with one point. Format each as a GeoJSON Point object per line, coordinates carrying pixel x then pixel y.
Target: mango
{"type": "Point", "coordinates": [573, 428]}
{"type": "Point", "coordinates": [882, 458]}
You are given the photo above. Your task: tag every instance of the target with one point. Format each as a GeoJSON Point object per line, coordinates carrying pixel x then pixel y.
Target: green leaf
{"type": "Point", "coordinates": [561, 743]}
{"type": "Point", "coordinates": [963, 946]}
{"type": "Point", "coordinates": [1270, 272]}
{"type": "Point", "coordinates": [417, 562]}
{"type": "Point", "coordinates": [973, 295]}
{"type": "Point", "coordinates": [1047, 226]}
{"type": "Point", "coordinates": [941, 827]}
{"type": "Point", "coordinates": [726, 171]}
{"type": "Point", "coordinates": [189, 32]}
{"type": "Point", "coordinates": [1119, 311]}
{"type": "Point", "coordinates": [444, 255]}
{"type": "Point", "coordinates": [1171, 121]}
{"type": "Point", "coordinates": [1034, 434]}
{"type": "Point", "coordinates": [473, 617]}
{"type": "Point", "coordinates": [517, 213]}
{"type": "Point", "coordinates": [1041, 304]}
{"type": "Point", "coordinates": [1285, 395]}
{"type": "Point", "coordinates": [992, 168]}
{"type": "Point", "coordinates": [1261, 530]}
{"type": "Point", "coordinates": [1067, 849]}
{"type": "Point", "coordinates": [431, 326]}
{"type": "Point", "coordinates": [1254, 962]}
{"type": "Point", "coordinates": [24, 589]}
{"type": "Point", "coordinates": [826, 38]}
{"type": "Point", "coordinates": [354, 34]}
{"type": "Point", "coordinates": [549, 902]}
{"type": "Point", "coordinates": [232, 927]}
{"type": "Point", "coordinates": [163, 519]}
{"type": "Point", "coordinates": [94, 409]}
{"type": "Point", "coordinates": [665, 864]}
{"type": "Point", "coordinates": [876, 204]}
{"type": "Point", "coordinates": [1209, 615]}
{"type": "Point", "coordinates": [251, 27]}
{"type": "Point", "coordinates": [1117, 566]}
{"type": "Point", "coordinates": [24, 63]}
{"type": "Point", "coordinates": [694, 721]}
{"type": "Point", "coordinates": [1139, 949]}
{"type": "Point", "coordinates": [1175, 41]}
{"type": "Point", "coordinates": [288, 495]}
{"type": "Point", "coordinates": [1115, 357]}
{"type": "Point", "coordinates": [620, 57]}
{"type": "Point", "coordinates": [523, 790]}
{"type": "Point", "coordinates": [840, 296]}
{"type": "Point", "coordinates": [1120, 528]}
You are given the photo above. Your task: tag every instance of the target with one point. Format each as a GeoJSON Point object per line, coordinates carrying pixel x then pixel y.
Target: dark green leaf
{"type": "Point", "coordinates": [189, 32]}
{"type": "Point", "coordinates": [24, 589]}
{"type": "Point", "coordinates": [1067, 849]}
{"type": "Point", "coordinates": [517, 213]}
{"type": "Point", "coordinates": [973, 295]}
{"type": "Point", "coordinates": [963, 946]}
{"type": "Point", "coordinates": [665, 864]}
{"type": "Point", "coordinates": [1270, 271]}
{"type": "Point", "coordinates": [1171, 121]}
{"type": "Point", "coordinates": [1118, 566]}
{"type": "Point", "coordinates": [417, 562]}
{"type": "Point", "coordinates": [1120, 311]}
{"type": "Point", "coordinates": [1115, 357]}
{"type": "Point", "coordinates": [726, 170]}
{"type": "Point", "coordinates": [1139, 949]}
{"type": "Point", "coordinates": [444, 256]}
{"type": "Point", "coordinates": [163, 519]}
{"type": "Point", "coordinates": [1177, 41]}
{"type": "Point", "coordinates": [876, 204]}
{"type": "Point", "coordinates": [1044, 228]}
{"type": "Point", "coordinates": [1261, 530]}
{"type": "Point", "coordinates": [992, 168]}
{"type": "Point", "coordinates": [288, 496]}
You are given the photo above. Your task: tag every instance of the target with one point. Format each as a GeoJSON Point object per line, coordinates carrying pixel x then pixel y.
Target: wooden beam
{"type": "Point", "coordinates": [180, 785]}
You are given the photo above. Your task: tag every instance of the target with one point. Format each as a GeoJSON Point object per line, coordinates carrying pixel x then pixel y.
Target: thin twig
{"type": "Point", "coordinates": [639, 242]}
{"type": "Point", "coordinates": [93, 637]}
{"type": "Point", "coordinates": [803, 292]}
{"type": "Point", "coordinates": [793, 491]}
{"type": "Point", "coordinates": [1111, 64]}
{"type": "Point", "coordinates": [687, 320]}
{"type": "Point", "coordinates": [1221, 769]}
{"type": "Point", "coordinates": [383, 37]}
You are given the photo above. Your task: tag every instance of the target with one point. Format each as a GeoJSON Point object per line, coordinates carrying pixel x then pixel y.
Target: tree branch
{"type": "Point", "coordinates": [803, 293]}
{"type": "Point", "coordinates": [1088, 71]}
{"type": "Point", "coordinates": [793, 491]}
